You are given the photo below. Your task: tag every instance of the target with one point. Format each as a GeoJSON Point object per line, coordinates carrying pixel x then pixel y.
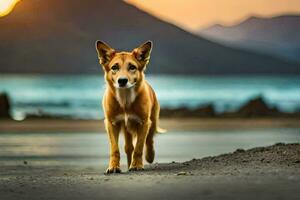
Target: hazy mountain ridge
{"type": "Point", "coordinates": [53, 36]}
{"type": "Point", "coordinates": [277, 35]}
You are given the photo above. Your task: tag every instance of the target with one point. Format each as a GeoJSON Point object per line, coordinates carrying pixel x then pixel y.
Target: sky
{"type": "Point", "coordinates": [196, 14]}
{"type": "Point", "coordinates": [6, 6]}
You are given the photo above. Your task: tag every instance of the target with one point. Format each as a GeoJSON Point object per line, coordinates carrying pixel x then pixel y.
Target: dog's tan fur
{"type": "Point", "coordinates": [133, 109]}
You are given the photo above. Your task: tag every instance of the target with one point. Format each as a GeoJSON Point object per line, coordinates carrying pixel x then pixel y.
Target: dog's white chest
{"type": "Point", "coordinates": [125, 97]}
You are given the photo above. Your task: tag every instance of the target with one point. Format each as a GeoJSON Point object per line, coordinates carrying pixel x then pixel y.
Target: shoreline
{"type": "Point", "coordinates": [171, 124]}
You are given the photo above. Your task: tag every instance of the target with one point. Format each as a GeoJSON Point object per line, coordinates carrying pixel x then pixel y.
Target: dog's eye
{"type": "Point", "coordinates": [132, 67]}
{"type": "Point", "coordinates": [115, 68]}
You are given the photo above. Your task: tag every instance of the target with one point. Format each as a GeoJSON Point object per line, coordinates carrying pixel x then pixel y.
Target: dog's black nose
{"type": "Point", "coordinates": [122, 81]}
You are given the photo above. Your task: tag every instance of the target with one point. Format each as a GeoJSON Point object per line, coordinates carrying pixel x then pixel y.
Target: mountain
{"type": "Point", "coordinates": [278, 36]}
{"type": "Point", "coordinates": [55, 36]}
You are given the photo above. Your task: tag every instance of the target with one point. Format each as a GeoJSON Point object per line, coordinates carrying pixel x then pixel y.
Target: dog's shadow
{"type": "Point", "coordinates": [157, 168]}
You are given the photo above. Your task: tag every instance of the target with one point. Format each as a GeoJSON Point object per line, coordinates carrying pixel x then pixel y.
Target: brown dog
{"type": "Point", "coordinates": [129, 104]}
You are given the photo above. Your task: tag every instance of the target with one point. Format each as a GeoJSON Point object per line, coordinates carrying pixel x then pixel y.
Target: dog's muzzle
{"type": "Point", "coordinates": [122, 82]}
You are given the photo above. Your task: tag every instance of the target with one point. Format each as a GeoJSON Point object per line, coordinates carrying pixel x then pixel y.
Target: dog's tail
{"type": "Point", "coordinates": [160, 130]}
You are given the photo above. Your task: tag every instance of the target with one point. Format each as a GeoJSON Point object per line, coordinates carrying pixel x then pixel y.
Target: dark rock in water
{"type": "Point", "coordinates": [257, 108]}
{"type": "Point", "coordinates": [42, 115]}
{"type": "Point", "coordinates": [254, 108]}
{"type": "Point", "coordinates": [4, 106]}
{"type": "Point", "coordinates": [174, 112]}
{"type": "Point", "coordinates": [205, 111]}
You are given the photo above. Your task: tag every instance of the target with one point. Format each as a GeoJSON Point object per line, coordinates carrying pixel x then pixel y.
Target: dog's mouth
{"type": "Point", "coordinates": [124, 83]}
{"type": "Point", "coordinates": [124, 86]}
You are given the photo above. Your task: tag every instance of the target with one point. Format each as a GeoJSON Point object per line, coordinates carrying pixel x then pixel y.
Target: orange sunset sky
{"type": "Point", "coordinates": [195, 14]}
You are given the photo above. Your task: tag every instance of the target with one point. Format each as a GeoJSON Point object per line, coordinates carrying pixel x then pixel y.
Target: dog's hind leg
{"type": "Point", "coordinates": [150, 153]}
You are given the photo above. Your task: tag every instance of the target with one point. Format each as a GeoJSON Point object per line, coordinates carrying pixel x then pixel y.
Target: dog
{"type": "Point", "coordinates": [130, 105]}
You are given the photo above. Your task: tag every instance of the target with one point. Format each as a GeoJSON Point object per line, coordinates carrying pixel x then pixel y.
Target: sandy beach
{"type": "Point", "coordinates": [66, 164]}
{"type": "Point", "coordinates": [261, 173]}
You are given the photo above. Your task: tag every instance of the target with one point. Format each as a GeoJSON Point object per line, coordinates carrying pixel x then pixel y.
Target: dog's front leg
{"type": "Point", "coordinates": [113, 131]}
{"type": "Point", "coordinates": [137, 159]}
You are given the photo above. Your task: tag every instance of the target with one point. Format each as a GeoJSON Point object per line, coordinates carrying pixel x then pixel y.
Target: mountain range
{"type": "Point", "coordinates": [58, 37]}
{"type": "Point", "coordinates": [278, 36]}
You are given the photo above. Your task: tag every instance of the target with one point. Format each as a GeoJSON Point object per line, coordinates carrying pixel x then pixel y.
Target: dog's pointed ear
{"type": "Point", "coordinates": [105, 52]}
{"type": "Point", "coordinates": [142, 53]}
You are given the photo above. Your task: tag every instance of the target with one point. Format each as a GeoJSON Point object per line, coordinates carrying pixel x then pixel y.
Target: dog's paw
{"type": "Point", "coordinates": [150, 154]}
{"type": "Point", "coordinates": [131, 169]}
{"type": "Point", "coordinates": [113, 170]}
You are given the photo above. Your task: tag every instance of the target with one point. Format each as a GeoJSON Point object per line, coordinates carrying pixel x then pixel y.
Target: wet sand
{"type": "Point", "coordinates": [172, 124]}
{"type": "Point", "coordinates": [261, 173]}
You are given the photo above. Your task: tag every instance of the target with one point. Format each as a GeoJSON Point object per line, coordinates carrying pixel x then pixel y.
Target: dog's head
{"type": "Point", "coordinates": [124, 69]}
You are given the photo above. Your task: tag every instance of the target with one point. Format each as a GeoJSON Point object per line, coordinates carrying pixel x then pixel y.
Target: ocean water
{"type": "Point", "coordinates": [80, 96]}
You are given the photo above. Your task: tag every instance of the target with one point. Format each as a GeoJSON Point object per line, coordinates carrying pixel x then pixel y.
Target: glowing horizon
{"type": "Point", "coordinates": [195, 14]}
{"type": "Point", "coordinates": [6, 6]}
